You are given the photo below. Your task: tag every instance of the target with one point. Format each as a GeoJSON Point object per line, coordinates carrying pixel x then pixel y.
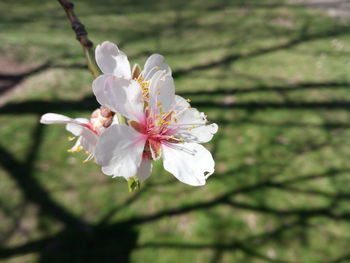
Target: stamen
{"type": "Point", "coordinates": [75, 149]}
{"type": "Point", "coordinates": [175, 139]}
{"type": "Point", "coordinates": [89, 158]}
{"type": "Point", "coordinates": [185, 125]}
{"type": "Point", "coordinates": [181, 148]}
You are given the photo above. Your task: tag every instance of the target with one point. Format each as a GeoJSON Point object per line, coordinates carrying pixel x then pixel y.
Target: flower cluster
{"type": "Point", "coordinates": [160, 124]}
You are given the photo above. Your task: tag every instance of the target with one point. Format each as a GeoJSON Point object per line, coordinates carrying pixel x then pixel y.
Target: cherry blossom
{"type": "Point", "coordinates": [87, 130]}
{"type": "Point", "coordinates": [161, 124]}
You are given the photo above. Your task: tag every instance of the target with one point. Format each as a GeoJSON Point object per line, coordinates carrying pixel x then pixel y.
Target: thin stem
{"type": "Point", "coordinates": [81, 35]}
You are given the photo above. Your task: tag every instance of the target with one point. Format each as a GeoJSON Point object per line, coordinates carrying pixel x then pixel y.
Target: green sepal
{"type": "Point", "coordinates": [121, 118]}
{"type": "Point", "coordinates": [133, 184]}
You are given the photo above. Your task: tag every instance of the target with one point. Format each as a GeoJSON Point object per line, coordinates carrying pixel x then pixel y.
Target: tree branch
{"type": "Point", "coordinates": [81, 35]}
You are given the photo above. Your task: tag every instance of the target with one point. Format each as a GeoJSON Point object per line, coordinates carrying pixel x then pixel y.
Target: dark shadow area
{"type": "Point", "coordinates": [304, 37]}
{"type": "Point", "coordinates": [85, 242]}
{"type": "Point", "coordinates": [85, 104]}
{"type": "Point", "coordinates": [9, 81]}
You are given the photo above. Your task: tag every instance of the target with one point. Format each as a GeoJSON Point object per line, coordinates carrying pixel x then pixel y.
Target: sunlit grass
{"type": "Point", "coordinates": [274, 77]}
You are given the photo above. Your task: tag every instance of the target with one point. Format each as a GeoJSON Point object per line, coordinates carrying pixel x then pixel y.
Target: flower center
{"type": "Point", "coordinates": [158, 132]}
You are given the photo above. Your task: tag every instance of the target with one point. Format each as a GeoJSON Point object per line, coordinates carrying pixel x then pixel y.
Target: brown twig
{"type": "Point", "coordinates": [81, 35]}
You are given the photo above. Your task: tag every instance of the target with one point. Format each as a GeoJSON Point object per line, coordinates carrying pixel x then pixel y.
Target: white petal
{"type": "Point", "coordinates": [112, 61]}
{"type": "Point", "coordinates": [190, 163]}
{"type": "Point", "coordinates": [87, 138]}
{"type": "Point", "coordinates": [82, 120]}
{"type": "Point", "coordinates": [154, 63]}
{"type": "Point", "coordinates": [162, 91]}
{"type": "Point", "coordinates": [119, 150]}
{"type": "Point", "coordinates": [201, 134]}
{"type": "Point", "coordinates": [119, 95]}
{"type": "Point", "coordinates": [75, 128]}
{"type": "Point", "coordinates": [191, 116]}
{"type": "Point", "coordinates": [180, 104]}
{"type": "Point", "coordinates": [191, 126]}
{"type": "Point", "coordinates": [145, 169]}
{"type": "Point", "coordinates": [115, 119]}
{"type": "Point", "coordinates": [53, 118]}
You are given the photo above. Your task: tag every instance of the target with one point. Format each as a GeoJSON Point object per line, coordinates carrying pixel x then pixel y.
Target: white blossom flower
{"type": "Point", "coordinates": [113, 61]}
{"type": "Point", "coordinates": [161, 124]}
{"type": "Point", "coordinates": [88, 131]}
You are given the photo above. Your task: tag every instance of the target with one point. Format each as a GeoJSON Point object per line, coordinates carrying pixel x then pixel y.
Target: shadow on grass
{"type": "Point", "coordinates": [82, 241]}
{"type": "Point", "coordinates": [104, 242]}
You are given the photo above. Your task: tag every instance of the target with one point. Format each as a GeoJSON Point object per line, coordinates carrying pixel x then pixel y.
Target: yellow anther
{"type": "Point", "coordinates": [188, 100]}
{"type": "Point", "coordinates": [191, 128]}
{"type": "Point", "coordinates": [70, 138]}
{"type": "Point", "coordinates": [75, 149]}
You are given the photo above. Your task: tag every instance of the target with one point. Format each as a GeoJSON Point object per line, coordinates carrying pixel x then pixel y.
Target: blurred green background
{"type": "Point", "coordinates": [273, 74]}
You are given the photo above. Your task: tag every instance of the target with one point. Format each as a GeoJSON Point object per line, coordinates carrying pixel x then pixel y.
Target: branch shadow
{"type": "Point", "coordinates": [105, 241]}
{"type": "Point", "coordinates": [85, 242]}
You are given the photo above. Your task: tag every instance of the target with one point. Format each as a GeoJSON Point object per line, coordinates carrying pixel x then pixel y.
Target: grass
{"type": "Point", "coordinates": [274, 76]}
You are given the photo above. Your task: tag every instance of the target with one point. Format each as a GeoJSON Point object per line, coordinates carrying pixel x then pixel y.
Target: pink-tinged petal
{"type": "Point", "coordinates": [88, 139]}
{"type": "Point", "coordinates": [82, 120]}
{"type": "Point", "coordinates": [161, 91]}
{"type": "Point", "coordinates": [120, 95]}
{"type": "Point", "coordinates": [112, 61]}
{"type": "Point", "coordinates": [53, 118]}
{"type": "Point", "coordinates": [76, 128]}
{"type": "Point", "coordinates": [119, 151]}
{"type": "Point", "coordinates": [153, 64]}
{"type": "Point", "coordinates": [145, 169]}
{"type": "Point", "coordinates": [190, 163]}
